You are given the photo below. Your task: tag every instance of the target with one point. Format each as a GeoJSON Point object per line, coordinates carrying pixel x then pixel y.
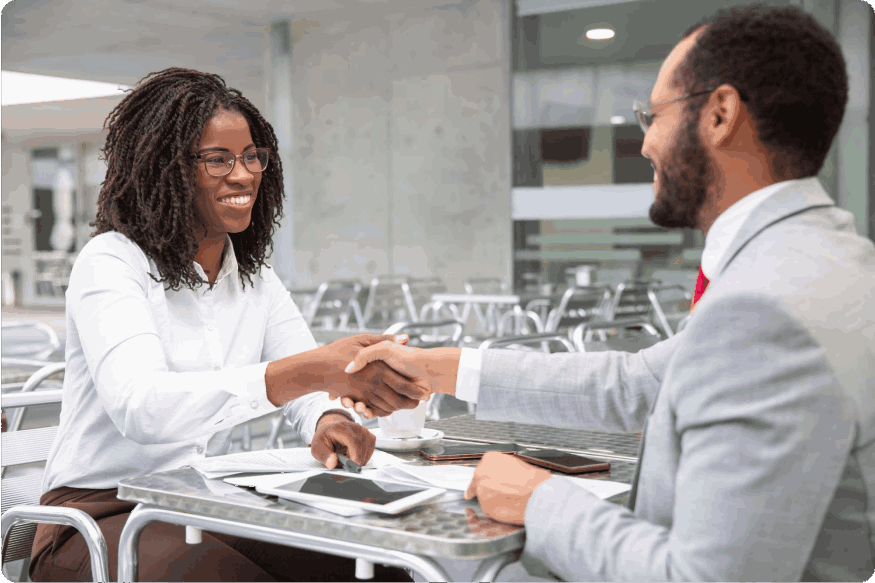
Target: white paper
{"type": "Point", "coordinates": [297, 459]}
{"type": "Point", "coordinates": [604, 488]}
{"type": "Point", "coordinates": [443, 476]}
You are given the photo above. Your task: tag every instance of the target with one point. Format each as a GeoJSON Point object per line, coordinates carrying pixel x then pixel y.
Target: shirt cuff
{"type": "Point", "coordinates": [318, 405]}
{"type": "Point", "coordinates": [468, 377]}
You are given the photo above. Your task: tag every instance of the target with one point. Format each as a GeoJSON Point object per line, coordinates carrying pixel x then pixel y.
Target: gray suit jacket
{"type": "Point", "coordinates": [759, 462]}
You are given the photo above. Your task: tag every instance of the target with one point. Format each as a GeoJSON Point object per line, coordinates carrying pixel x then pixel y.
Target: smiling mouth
{"type": "Point", "coordinates": [237, 200]}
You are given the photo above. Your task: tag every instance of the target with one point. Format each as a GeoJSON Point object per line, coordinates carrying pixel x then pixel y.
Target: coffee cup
{"type": "Point", "coordinates": [404, 423]}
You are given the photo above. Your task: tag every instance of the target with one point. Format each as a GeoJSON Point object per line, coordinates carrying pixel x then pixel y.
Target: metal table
{"type": "Point", "coordinates": [612, 446]}
{"type": "Point", "coordinates": [450, 527]}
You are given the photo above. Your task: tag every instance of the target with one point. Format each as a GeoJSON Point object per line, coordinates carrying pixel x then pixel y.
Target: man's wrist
{"type": "Point", "coordinates": [442, 368]}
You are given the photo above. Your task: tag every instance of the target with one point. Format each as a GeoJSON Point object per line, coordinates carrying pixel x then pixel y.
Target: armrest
{"type": "Point", "coordinates": [68, 517]}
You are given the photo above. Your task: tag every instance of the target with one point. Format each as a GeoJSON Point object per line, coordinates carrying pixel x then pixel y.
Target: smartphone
{"type": "Point", "coordinates": [562, 461]}
{"type": "Point", "coordinates": [450, 451]}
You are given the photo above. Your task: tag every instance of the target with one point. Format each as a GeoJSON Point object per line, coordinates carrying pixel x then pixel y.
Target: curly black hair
{"type": "Point", "coordinates": [789, 70]}
{"type": "Point", "coordinates": [149, 191]}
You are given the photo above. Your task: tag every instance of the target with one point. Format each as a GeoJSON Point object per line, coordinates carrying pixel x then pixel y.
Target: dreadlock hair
{"type": "Point", "coordinates": [149, 191]}
{"type": "Point", "coordinates": [789, 71]}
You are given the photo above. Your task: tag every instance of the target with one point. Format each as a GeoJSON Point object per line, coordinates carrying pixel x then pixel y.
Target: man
{"type": "Point", "coordinates": [758, 457]}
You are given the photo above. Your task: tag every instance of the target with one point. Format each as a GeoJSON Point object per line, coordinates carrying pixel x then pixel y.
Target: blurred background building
{"type": "Point", "coordinates": [429, 138]}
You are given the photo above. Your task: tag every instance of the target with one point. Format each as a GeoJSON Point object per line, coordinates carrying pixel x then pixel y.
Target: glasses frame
{"type": "Point", "coordinates": [202, 157]}
{"type": "Point", "coordinates": [644, 109]}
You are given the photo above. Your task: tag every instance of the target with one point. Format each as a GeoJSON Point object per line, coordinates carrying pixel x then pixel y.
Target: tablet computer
{"type": "Point", "coordinates": [346, 489]}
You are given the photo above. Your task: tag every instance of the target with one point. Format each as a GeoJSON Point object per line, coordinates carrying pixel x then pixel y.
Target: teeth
{"type": "Point", "coordinates": [238, 200]}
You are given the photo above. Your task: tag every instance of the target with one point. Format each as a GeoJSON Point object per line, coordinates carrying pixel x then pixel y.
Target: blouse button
{"type": "Point", "coordinates": [200, 450]}
{"type": "Point", "coordinates": [210, 327]}
{"type": "Point", "coordinates": [254, 404]}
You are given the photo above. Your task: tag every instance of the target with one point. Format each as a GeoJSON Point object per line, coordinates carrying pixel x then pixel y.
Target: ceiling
{"type": "Point", "coordinates": [120, 41]}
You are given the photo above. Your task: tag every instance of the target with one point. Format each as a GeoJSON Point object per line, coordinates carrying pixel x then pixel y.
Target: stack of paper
{"type": "Point", "coordinates": [297, 459]}
{"type": "Point", "coordinates": [459, 478]}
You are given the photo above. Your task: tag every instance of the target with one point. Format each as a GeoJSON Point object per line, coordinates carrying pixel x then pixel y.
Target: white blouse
{"type": "Point", "coordinates": [156, 378]}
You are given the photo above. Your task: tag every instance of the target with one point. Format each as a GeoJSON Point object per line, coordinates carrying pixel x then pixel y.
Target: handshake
{"type": "Point", "coordinates": [377, 374]}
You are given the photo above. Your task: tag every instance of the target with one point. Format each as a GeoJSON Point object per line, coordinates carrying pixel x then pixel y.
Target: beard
{"type": "Point", "coordinates": [684, 180]}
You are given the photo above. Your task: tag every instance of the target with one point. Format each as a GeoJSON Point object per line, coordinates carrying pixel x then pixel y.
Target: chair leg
{"type": "Point", "coordinates": [246, 437]}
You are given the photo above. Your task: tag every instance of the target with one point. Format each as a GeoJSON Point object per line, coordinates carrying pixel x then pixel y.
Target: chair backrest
{"type": "Point", "coordinates": [485, 285]}
{"type": "Point", "coordinates": [430, 334]}
{"type": "Point", "coordinates": [626, 335]}
{"type": "Point", "coordinates": [671, 304]}
{"type": "Point", "coordinates": [419, 291]}
{"type": "Point", "coordinates": [387, 302]}
{"type": "Point", "coordinates": [303, 298]}
{"type": "Point", "coordinates": [578, 305]}
{"type": "Point", "coordinates": [29, 338]}
{"type": "Point", "coordinates": [335, 302]}
{"type": "Point", "coordinates": [631, 300]}
{"type": "Point", "coordinates": [28, 446]}
{"type": "Point", "coordinates": [524, 342]}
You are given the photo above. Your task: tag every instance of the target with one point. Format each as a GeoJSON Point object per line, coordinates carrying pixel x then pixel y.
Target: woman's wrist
{"type": "Point", "coordinates": [293, 377]}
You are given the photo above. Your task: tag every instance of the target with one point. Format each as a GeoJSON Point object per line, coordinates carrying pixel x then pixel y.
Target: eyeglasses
{"type": "Point", "coordinates": [222, 163]}
{"type": "Point", "coordinates": [644, 110]}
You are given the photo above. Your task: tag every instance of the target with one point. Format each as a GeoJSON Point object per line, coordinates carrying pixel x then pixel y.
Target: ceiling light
{"type": "Point", "coordinates": [600, 34]}
{"type": "Point", "coordinates": [19, 88]}
{"type": "Point", "coordinates": [618, 120]}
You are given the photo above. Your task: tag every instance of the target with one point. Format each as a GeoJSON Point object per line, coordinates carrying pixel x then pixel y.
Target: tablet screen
{"type": "Point", "coordinates": [349, 488]}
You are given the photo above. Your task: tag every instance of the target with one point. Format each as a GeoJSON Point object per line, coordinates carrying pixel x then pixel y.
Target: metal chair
{"type": "Point", "coordinates": [20, 503]}
{"type": "Point", "coordinates": [516, 321]}
{"type": "Point", "coordinates": [33, 383]}
{"type": "Point", "coordinates": [429, 337]}
{"type": "Point", "coordinates": [334, 303]}
{"type": "Point", "coordinates": [521, 342]}
{"type": "Point", "coordinates": [303, 297]}
{"type": "Point", "coordinates": [37, 350]}
{"type": "Point", "coordinates": [581, 336]}
{"type": "Point", "coordinates": [419, 291]}
{"type": "Point", "coordinates": [579, 305]}
{"type": "Point", "coordinates": [387, 303]}
{"type": "Point", "coordinates": [679, 304]}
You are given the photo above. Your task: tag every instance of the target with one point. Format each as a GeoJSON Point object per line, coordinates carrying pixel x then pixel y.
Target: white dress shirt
{"type": "Point", "coordinates": [717, 242]}
{"type": "Point", "coordinates": [156, 378]}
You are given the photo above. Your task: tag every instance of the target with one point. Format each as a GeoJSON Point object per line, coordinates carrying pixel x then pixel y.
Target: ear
{"type": "Point", "coordinates": [722, 116]}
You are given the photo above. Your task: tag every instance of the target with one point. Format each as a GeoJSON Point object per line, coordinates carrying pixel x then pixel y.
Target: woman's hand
{"type": "Point", "coordinates": [336, 433]}
{"type": "Point", "coordinates": [434, 368]}
{"type": "Point", "coordinates": [379, 387]}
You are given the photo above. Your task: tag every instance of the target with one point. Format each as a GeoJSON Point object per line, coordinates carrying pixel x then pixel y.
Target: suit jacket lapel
{"type": "Point", "coordinates": [797, 196]}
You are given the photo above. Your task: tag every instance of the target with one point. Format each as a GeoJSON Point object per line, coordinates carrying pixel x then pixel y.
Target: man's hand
{"type": "Point", "coordinates": [380, 388]}
{"type": "Point", "coordinates": [435, 368]}
{"type": "Point", "coordinates": [503, 485]}
{"type": "Point", "coordinates": [336, 433]}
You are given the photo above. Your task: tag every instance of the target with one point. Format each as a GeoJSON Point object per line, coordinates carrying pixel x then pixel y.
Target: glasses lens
{"type": "Point", "coordinates": [256, 160]}
{"type": "Point", "coordinates": [218, 163]}
{"type": "Point", "coordinates": [642, 114]}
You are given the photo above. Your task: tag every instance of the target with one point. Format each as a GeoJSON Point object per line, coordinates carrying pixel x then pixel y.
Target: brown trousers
{"type": "Point", "coordinates": [60, 553]}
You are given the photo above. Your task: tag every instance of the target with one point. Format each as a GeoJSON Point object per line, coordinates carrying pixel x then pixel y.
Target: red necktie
{"type": "Point", "coordinates": [701, 284]}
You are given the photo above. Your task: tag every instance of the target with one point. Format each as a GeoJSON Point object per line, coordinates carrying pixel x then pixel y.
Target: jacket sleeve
{"type": "Point", "coordinates": [608, 391]}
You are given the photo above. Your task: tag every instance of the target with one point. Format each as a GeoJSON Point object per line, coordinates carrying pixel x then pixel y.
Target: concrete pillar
{"type": "Point", "coordinates": [854, 31]}
{"type": "Point", "coordinates": [279, 109]}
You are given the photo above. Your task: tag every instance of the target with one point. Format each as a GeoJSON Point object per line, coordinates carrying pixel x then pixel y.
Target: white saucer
{"type": "Point", "coordinates": [426, 437]}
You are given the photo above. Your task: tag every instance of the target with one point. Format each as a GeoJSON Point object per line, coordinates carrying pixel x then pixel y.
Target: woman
{"type": "Point", "coordinates": [168, 348]}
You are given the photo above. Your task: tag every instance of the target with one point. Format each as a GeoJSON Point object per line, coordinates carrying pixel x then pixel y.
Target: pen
{"type": "Point", "coordinates": [348, 464]}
